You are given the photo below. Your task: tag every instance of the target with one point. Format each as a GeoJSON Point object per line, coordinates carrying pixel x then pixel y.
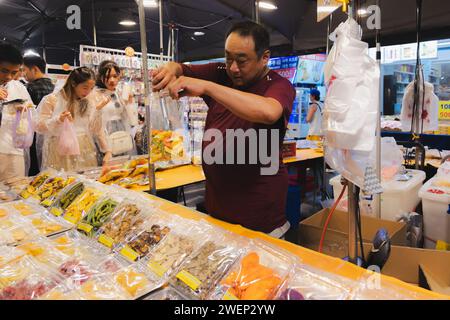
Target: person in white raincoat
{"type": "Point", "coordinates": [120, 114]}
{"type": "Point", "coordinates": [72, 102]}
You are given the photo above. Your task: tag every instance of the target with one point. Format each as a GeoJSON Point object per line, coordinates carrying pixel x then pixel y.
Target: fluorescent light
{"type": "Point", "coordinates": [151, 3]}
{"type": "Point", "coordinates": [31, 53]}
{"type": "Point", "coordinates": [362, 12]}
{"type": "Point", "coordinates": [127, 23]}
{"type": "Point", "coordinates": [267, 5]}
{"type": "Point", "coordinates": [199, 33]}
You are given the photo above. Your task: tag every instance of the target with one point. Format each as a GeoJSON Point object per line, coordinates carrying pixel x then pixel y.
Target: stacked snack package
{"type": "Point", "coordinates": [257, 276]}
{"type": "Point", "coordinates": [34, 185]}
{"type": "Point", "coordinates": [199, 274]}
{"type": "Point", "coordinates": [81, 206]}
{"type": "Point", "coordinates": [49, 190]}
{"type": "Point", "coordinates": [15, 230]}
{"type": "Point", "coordinates": [66, 197]}
{"type": "Point", "coordinates": [44, 251]}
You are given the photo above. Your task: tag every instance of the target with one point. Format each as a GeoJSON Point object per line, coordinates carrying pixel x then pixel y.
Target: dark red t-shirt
{"type": "Point", "coordinates": [238, 193]}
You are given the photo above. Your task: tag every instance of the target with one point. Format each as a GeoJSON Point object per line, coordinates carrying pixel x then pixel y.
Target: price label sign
{"type": "Point", "coordinates": [444, 110]}
{"type": "Point", "coordinates": [326, 7]}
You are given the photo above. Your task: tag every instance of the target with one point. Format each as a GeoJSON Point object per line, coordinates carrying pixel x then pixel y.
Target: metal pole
{"type": "Point", "coordinates": [173, 43]}
{"type": "Point", "coordinates": [378, 134]}
{"type": "Point", "coordinates": [352, 243]}
{"type": "Point", "coordinates": [94, 25]}
{"type": "Point", "coordinates": [44, 50]}
{"type": "Point", "coordinates": [151, 168]}
{"type": "Point", "coordinates": [161, 30]}
{"type": "Point", "coordinates": [330, 21]}
{"type": "Point", "coordinates": [257, 11]}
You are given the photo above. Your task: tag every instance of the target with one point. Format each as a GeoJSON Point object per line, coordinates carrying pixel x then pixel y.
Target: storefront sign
{"type": "Point", "coordinates": [326, 7]}
{"type": "Point", "coordinates": [444, 110]}
{"type": "Point", "coordinates": [285, 66]}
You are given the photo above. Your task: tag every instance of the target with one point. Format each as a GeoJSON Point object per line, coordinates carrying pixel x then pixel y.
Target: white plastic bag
{"type": "Point", "coordinates": [391, 158]}
{"type": "Point", "coordinates": [429, 110]}
{"type": "Point", "coordinates": [68, 142]}
{"type": "Point", "coordinates": [351, 107]}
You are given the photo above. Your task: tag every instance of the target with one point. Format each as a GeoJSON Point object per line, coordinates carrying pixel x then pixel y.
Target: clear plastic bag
{"type": "Point", "coordinates": [43, 251]}
{"type": "Point", "coordinates": [8, 254]}
{"type": "Point", "coordinates": [309, 283]}
{"type": "Point", "coordinates": [50, 190]}
{"type": "Point", "coordinates": [258, 275]}
{"type": "Point", "coordinates": [200, 273]}
{"type": "Point", "coordinates": [102, 287]}
{"type": "Point", "coordinates": [26, 209]}
{"type": "Point", "coordinates": [98, 214]}
{"type": "Point", "coordinates": [139, 244]}
{"type": "Point", "coordinates": [127, 219]}
{"type": "Point", "coordinates": [34, 185]}
{"type": "Point", "coordinates": [68, 144]}
{"type": "Point", "coordinates": [81, 206]}
{"type": "Point", "coordinates": [391, 158]}
{"type": "Point", "coordinates": [47, 225]}
{"type": "Point", "coordinates": [26, 279]}
{"type": "Point", "coordinates": [66, 197]}
{"type": "Point", "coordinates": [23, 129]}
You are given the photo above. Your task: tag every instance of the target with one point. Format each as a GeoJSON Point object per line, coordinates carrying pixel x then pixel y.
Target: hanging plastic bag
{"type": "Point", "coordinates": [350, 111]}
{"type": "Point", "coordinates": [68, 142]}
{"type": "Point", "coordinates": [428, 107]}
{"type": "Point", "coordinates": [23, 129]}
{"type": "Point", "coordinates": [391, 158]}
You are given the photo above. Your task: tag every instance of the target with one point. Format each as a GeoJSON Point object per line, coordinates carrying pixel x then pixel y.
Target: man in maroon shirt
{"type": "Point", "coordinates": [243, 95]}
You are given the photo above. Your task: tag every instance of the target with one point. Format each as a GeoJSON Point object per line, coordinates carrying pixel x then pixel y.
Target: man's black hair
{"type": "Point", "coordinates": [35, 61]}
{"type": "Point", "coordinates": [10, 54]}
{"type": "Point", "coordinates": [259, 34]}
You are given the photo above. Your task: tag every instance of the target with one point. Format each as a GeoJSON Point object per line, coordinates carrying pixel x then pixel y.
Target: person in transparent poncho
{"type": "Point", "coordinates": [72, 102]}
{"type": "Point", "coordinates": [119, 115]}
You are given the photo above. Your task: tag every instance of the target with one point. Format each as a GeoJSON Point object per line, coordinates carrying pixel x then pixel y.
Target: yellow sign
{"type": "Point", "coordinates": [189, 279]}
{"type": "Point", "coordinates": [56, 211]}
{"type": "Point", "coordinates": [444, 110]}
{"type": "Point", "coordinates": [129, 253]}
{"type": "Point", "coordinates": [105, 240]}
{"type": "Point", "coordinates": [327, 7]}
{"type": "Point", "coordinates": [157, 268]}
{"type": "Point", "coordinates": [85, 227]}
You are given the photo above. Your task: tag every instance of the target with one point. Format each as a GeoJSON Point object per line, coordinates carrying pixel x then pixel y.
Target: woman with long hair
{"type": "Point", "coordinates": [119, 115]}
{"type": "Point", "coordinates": [72, 103]}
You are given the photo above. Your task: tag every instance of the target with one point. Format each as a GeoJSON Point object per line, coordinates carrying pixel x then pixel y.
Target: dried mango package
{"type": "Point", "coordinates": [79, 208]}
{"type": "Point", "coordinates": [48, 225]}
{"type": "Point", "coordinates": [43, 251]}
{"type": "Point", "coordinates": [25, 208]}
{"type": "Point", "coordinates": [102, 287]}
{"type": "Point", "coordinates": [258, 275]}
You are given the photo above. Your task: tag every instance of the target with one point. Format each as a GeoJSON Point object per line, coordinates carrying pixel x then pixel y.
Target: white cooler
{"type": "Point", "coordinates": [436, 208]}
{"type": "Point", "coordinates": [398, 197]}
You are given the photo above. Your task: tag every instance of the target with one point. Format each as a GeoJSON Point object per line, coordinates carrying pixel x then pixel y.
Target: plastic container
{"type": "Point", "coordinates": [398, 197]}
{"type": "Point", "coordinates": [436, 207]}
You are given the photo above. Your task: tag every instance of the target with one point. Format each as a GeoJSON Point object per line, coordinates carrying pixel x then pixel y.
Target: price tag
{"type": "Point", "coordinates": [129, 253]}
{"type": "Point", "coordinates": [157, 268]}
{"type": "Point", "coordinates": [25, 194]}
{"type": "Point", "coordinates": [106, 241]}
{"type": "Point", "coordinates": [85, 227]}
{"type": "Point", "coordinates": [56, 211]}
{"type": "Point", "coordinates": [72, 220]}
{"type": "Point", "coordinates": [190, 280]}
{"type": "Point", "coordinates": [229, 296]}
{"type": "Point", "coordinates": [47, 202]}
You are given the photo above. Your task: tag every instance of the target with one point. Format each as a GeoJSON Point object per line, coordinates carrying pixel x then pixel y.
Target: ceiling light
{"type": "Point", "coordinates": [151, 3]}
{"type": "Point", "coordinates": [199, 33]}
{"type": "Point", "coordinates": [362, 12]}
{"type": "Point", "coordinates": [267, 5]}
{"type": "Point", "coordinates": [31, 53]}
{"type": "Point", "coordinates": [127, 23]}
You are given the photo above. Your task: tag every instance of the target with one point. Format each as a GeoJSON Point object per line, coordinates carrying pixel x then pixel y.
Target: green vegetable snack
{"type": "Point", "coordinates": [67, 198]}
{"type": "Point", "coordinates": [97, 216]}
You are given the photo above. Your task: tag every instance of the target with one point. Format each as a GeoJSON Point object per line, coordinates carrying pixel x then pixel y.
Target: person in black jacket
{"type": "Point", "coordinates": [38, 87]}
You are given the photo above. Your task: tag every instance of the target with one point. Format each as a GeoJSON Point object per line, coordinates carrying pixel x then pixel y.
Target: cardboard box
{"type": "Point", "coordinates": [428, 269]}
{"type": "Point", "coordinates": [336, 239]}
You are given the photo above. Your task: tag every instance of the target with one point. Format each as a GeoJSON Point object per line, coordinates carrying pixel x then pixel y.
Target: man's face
{"type": "Point", "coordinates": [8, 72]}
{"type": "Point", "coordinates": [30, 74]}
{"type": "Point", "coordinates": [243, 64]}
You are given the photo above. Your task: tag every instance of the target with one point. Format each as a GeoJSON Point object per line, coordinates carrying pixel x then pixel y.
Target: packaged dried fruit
{"type": "Point", "coordinates": [257, 276]}
{"type": "Point", "coordinates": [4, 212]}
{"type": "Point", "coordinates": [49, 191]}
{"type": "Point", "coordinates": [17, 235]}
{"type": "Point", "coordinates": [126, 220]}
{"type": "Point", "coordinates": [66, 197]}
{"type": "Point", "coordinates": [135, 280]}
{"type": "Point", "coordinates": [8, 254]}
{"type": "Point", "coordinates": [199, 274]}
{"type": "Point", "coordinates": [79, 208]}
{"type": "Point", "coordinates": [75, 245]}
{"type": "Point", "coordinates": [47, 225]}
{"type": "Point", "coordinates": [140, 244]}
{"type": "Point", "coordinates": [98, 214]}
{"type": "Point", "coordinates": [77, 271]}
{"type": "Point", "coordinates": [26, 209]}
{"type": "Point", "coordinates": [309, 283]}
{"type": "Point", "coordinates": [6, 196]}
{"type": "Point", "coordinates": [102, 287]}
{"type": "Point", "coordinates": [34, 185]}
{"type": "Point", "coordinates": [62, 291]}
{"type": "Point", "coordinates": [25, 279]}
{"type": "Point", "coordinates": [175, 248]}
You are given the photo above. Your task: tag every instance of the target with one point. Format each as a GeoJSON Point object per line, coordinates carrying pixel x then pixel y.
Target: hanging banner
{"type": "Point", "coordinates": [326, 7]}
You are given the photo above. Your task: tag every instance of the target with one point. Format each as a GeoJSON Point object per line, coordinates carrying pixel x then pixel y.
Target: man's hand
{"type": "Point", "coordinates": [165, 75]}
{"type": "Point", "coordinates": [189, 86]}
{"type": "Point", "coordinates": [65, 115]}
{"type": "Point", "coordinates": [3, 94]}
